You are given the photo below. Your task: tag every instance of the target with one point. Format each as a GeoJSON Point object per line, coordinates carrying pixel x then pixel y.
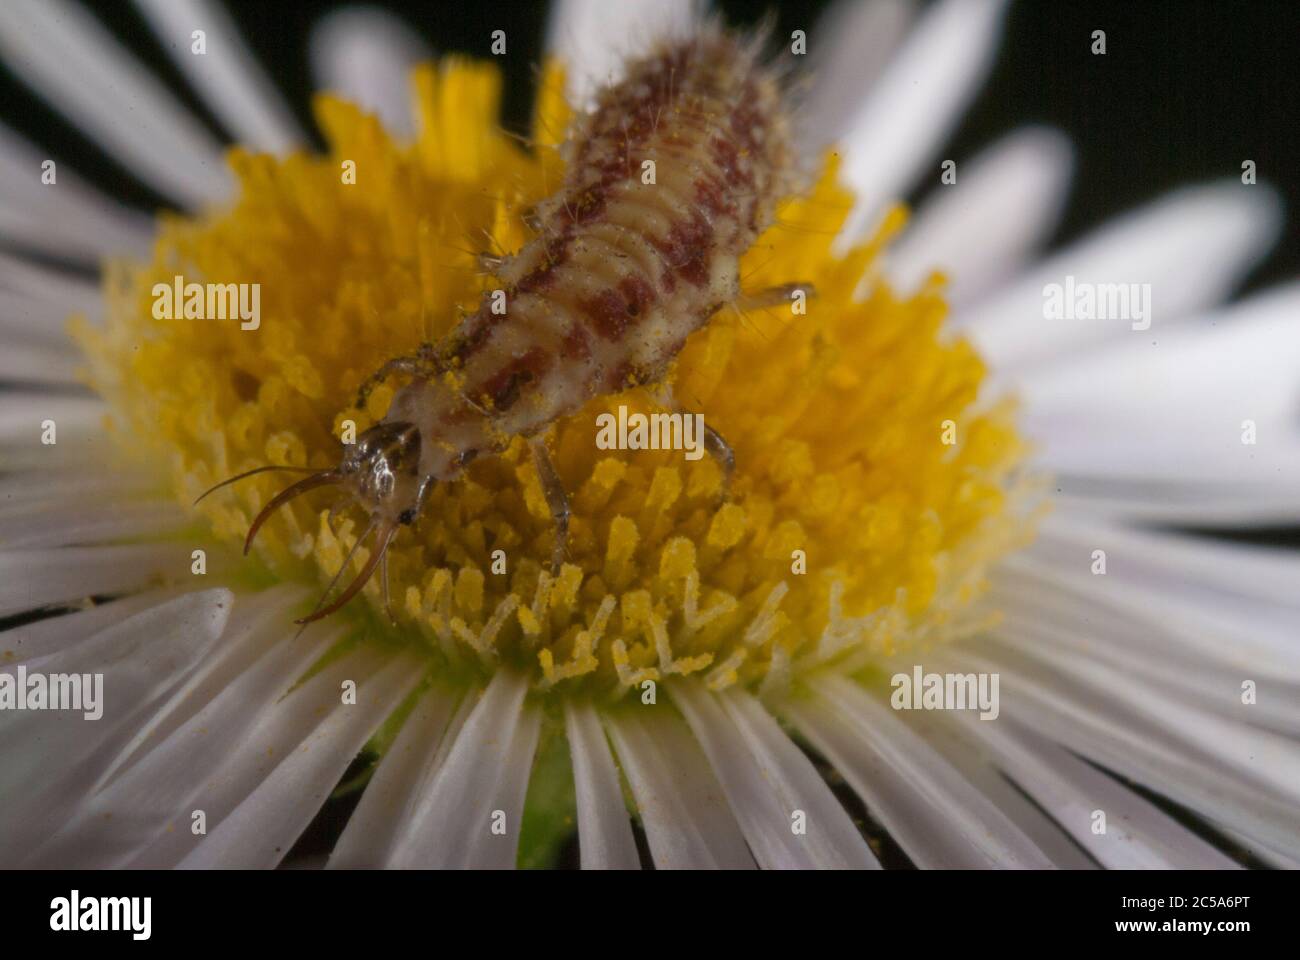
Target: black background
{"type": "Point", "coordinates": [530, 913]}
{"type": "Point", "coordinates": [1187, 90]}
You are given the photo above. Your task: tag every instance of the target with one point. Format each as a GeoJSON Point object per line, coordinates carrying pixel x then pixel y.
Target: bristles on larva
{"type": "Point", "coordinates": [669, 181]}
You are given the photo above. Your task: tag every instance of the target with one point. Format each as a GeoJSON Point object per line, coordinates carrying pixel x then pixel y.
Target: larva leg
{"type": "Point", "coordinates": [714, 442]}
{"type": "Point", "coordinates": [388, 601]}
{"type": "Point", "coordinates": [556, 499]}
{"type": "Point", "coordinates": [423, 363]}
{"type": "Point", "coordinates": [773, 296]}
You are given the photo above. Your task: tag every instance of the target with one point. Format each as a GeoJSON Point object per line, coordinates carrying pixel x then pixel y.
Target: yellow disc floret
{"type": "Point", "coordinates": [872, 487]}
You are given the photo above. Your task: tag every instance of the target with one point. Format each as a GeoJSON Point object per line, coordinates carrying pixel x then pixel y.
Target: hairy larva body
{"type": "Point", "coordinates": [670, 179]}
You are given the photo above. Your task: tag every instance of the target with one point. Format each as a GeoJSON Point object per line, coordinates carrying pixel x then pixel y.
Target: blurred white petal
{"type": "Point", "coordinates": [78, 430]}
{"type": "Point", "coordinates": [90, 521]}
{"type": "Point", "coordinates": [1210, 504]}
{"type": "Point", "coordinates": [593, 39]}
{"type": "Point", "coordinates": [43, 638]}
{"type": "Point", "coordinates": [1176, 409]}
{"type": "Point", "coordinates": [848, 48]}
{"type": "Point", "coordinates": [1192, 247]}
{"type": "Point", "coordinates": [57, 289]}
{"type": "Point", "coordinates": [985, 227]}
{"type": "Point", "coordinates": [31, 579]}
{"type": "Point", "coordinates": [25, 318]}
{"type": "Point", "coordinates": [29, 361]}
{"type": "Point", "coordinates": [1203, 620]}
{"type": "Point", "coordinates": [67, 218]}
{"type": "Point", "coordinates": [67, 57]}
{"type": "Point", "coordinates": [366, 55]}
{"type": "Point", "coordinates": [227, 76]}
{"type": "Point", "coordinates": [917, 103]}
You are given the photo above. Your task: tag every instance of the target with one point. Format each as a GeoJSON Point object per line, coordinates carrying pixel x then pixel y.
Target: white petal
{"type": "Point", "coordinates": [83, 523]}
{"type": "Point", "coordinates": [1138, 836]}
{"type": "Point", "coordinates": [1142, 648]}
{"type": "Point", "coordinates": [67, 57]}
{"type": "Point", "coordinates": [1172, 561]}
{"type": "Point", "coordinates": [227, 76]}
{"type": "Point", "coordinates": [52, 757]}
{"type": "Point", "coordinates": [19, 493]}
{"type": "Point", "coordinates": [266, 615]}
{"type": "Point", "coordinates": [67, 218]}
{"type": "Point", "coordinates": [62, 291]}
{"type": "Point", "coordinates": [687, 822]}
{"type": "Point", "coordinates": [54, 634]}
{"type": "Point", "coordinates": [1279, 860]}
{"type": "Point", "coordinates": [31, 579]}
{"type": "Point", "coordinates": [185, 741]}
{"type": "Point", "coordinates": [1005, 204]}
{"type": "Point", "coordinates": [77, 422]}
{"type": "Point", "coordinates": [1177, 408]}
{"type": "Point", "coordinates": [593, 39]}
{"type": "Point", "coordinates": [1206, 621]}
{"type": "Point", "coordinates": [1175, 501]}
{"type": "Point", "coordinates": [1192, 247]}
{"type": "Point", "coordinates": [32, 362]}
{"type": "Point", "coordinates": [366, 55]}
{"type": "Point", "coordinates": [28, 319]}
{"type": "Point", "coordinates": [1270, 759]}
{"type": "Point", "coordinates": [917, 102]}
{"type": "Point", "coordinates": [938, 817]}
{"type": "Point", "coordinates": [391, 796]}
{"type": "Point", "coordinates": [260, 831]}
{"type": "Point", "coordinates": [851, 44]}
{"type": "Point", "coordinates": [275, 735]}
{"type": "Point", "coordinates": [769, 783]}
{"type": "Point", "coordinates": [1108, 730]}
{"type": "Point", "coordinates": [605, 840]}
{"type": "Point", "coordinates": [964, 755]}
{"type": "Point", "coordinates": [485, 774]}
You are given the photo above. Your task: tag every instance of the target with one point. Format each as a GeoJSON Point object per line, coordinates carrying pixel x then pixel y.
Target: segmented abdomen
{"type": "Point", "coordinates": [670, 180]}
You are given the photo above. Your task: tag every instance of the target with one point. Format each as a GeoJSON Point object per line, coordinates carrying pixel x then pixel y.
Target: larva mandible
{"type": "Point", "coordinates": [622, 269]}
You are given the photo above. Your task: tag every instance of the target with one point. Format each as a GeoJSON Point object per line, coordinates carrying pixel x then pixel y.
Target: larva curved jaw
{"type": "Point", "coordinates": [320, 479]}
{"type": "Point", "coordinates": [377, 555]}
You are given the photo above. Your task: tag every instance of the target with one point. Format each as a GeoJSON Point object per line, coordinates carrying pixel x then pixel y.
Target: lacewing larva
{"type": "Point", "coordinates": [669, 181]}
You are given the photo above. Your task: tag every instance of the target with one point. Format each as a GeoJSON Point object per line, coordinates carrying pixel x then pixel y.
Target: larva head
{"type": "Point", "coordinates": [382, 471]}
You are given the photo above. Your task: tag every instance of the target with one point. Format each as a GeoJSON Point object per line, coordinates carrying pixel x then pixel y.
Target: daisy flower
{"type": "Point", "coordinates": [933, 476]}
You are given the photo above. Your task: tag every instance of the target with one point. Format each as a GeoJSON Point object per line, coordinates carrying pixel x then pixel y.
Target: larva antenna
{"type": "Point", "coordinates": [320, 478]}
{"type": "Point", "coordinates": [379, 553]}
{"type": "Point", "coordinates": [248, 473]}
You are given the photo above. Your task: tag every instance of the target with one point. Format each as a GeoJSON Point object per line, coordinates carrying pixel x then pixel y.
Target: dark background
{"type": "Point", "coordinates": [1187, 90]}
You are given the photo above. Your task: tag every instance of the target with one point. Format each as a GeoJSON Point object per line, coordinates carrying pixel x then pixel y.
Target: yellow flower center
{"type": "Point", "coordinates": [871, 489]}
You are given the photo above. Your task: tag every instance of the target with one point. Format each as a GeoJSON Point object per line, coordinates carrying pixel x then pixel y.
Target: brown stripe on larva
{"type": "Point", "coordinates": [622, 271]}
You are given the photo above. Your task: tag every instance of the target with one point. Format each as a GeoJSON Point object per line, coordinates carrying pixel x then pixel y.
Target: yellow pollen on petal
{"type": "Point", "coordinates": [873, 485]}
